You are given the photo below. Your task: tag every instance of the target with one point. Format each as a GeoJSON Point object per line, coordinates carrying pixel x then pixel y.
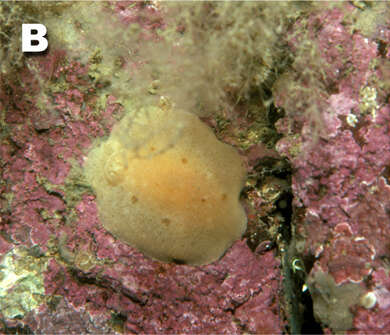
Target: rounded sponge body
{"type": "Point", "coordinates": [168, 187]}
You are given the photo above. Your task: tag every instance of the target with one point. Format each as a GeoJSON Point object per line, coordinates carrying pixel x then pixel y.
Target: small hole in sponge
{"type": "Point", "coordinates": [184, 160]}
{"type": "Point", "coordinates": [224, 196]}
{"type": "Point", "coordinates": [203, 200]}
{"type": "Point", "coordinates": [134, 199]}
{"type": "Point", "coordinates": [166, 221]}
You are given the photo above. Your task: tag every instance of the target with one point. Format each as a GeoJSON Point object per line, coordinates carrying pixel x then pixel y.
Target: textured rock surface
{"type": "Point", "coordinates": [340, 184]}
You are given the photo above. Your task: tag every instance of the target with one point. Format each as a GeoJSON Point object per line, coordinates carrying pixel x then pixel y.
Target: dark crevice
{"type": "Point", "coordinates": [285, 208]}
{"type": "Point", "coordinates": [118, 321]}
{"type": "Point", "coordinates": [297, 296]}
{"type": "Point", "coordinates": [274, 114]}
{"type": "Point", "coordinates": [178, 261]}
{"type": "Point", "coordinates": [18, 329]}
{"type": "Point", "coordinates": [309, 325]}
{"type": "Point", "coordinates": [298, 304]}
{"type": "Point", "coordinates": [290, 298]}
{"type": "Point", "coordinates": [91, 280]}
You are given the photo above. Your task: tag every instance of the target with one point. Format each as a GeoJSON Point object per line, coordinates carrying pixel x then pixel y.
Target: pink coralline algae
{"type": "Point", "coordinates": [89, 281]}
{"type": "Point", "coordinates": [104, 284]}
{"type": "Point", "coordinates": [341, 183]}
{"type": "Point", "coordinates": [62, 272]}
{"type": "Point", "coordinates": [348, 257]}
{"type": "Point", "coordinates": [94, 282]}
{"type": "Point", "coordinates": [154, 297]}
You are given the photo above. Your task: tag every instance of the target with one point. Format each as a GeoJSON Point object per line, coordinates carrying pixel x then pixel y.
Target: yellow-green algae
{"type": "Point", "coordinates": [21, 282]}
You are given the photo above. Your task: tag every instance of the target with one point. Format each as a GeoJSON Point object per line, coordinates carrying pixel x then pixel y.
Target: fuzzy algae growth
{"type": "Point", "coordinates": [168, 187]}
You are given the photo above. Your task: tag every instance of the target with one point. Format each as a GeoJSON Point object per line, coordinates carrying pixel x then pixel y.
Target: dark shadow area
{"type": "Point", "coordinates": [309, 324]}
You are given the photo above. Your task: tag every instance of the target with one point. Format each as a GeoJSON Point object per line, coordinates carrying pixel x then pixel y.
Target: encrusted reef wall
{"type": "Point", "coordinates": [338, 142]}
{"type": "Point", "coordinates": [301, 90]}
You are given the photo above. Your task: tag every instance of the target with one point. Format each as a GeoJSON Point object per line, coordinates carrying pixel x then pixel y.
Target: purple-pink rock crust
{"type": "Point", "coordinates": [95, 283]}
{"type": "Point", "coordinates": [341, 182]}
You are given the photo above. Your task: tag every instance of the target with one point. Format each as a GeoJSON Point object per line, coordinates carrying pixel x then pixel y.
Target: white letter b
{"type": "Point", "coordinates": [28, 37]}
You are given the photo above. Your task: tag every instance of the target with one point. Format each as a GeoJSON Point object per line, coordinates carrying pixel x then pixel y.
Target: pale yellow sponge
{"type": "Point", "coordinates": [168, 187]}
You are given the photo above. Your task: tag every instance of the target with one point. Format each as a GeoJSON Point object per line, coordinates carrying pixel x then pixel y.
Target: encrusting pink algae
{"type": "Point", "coordinates": [293, 138]}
